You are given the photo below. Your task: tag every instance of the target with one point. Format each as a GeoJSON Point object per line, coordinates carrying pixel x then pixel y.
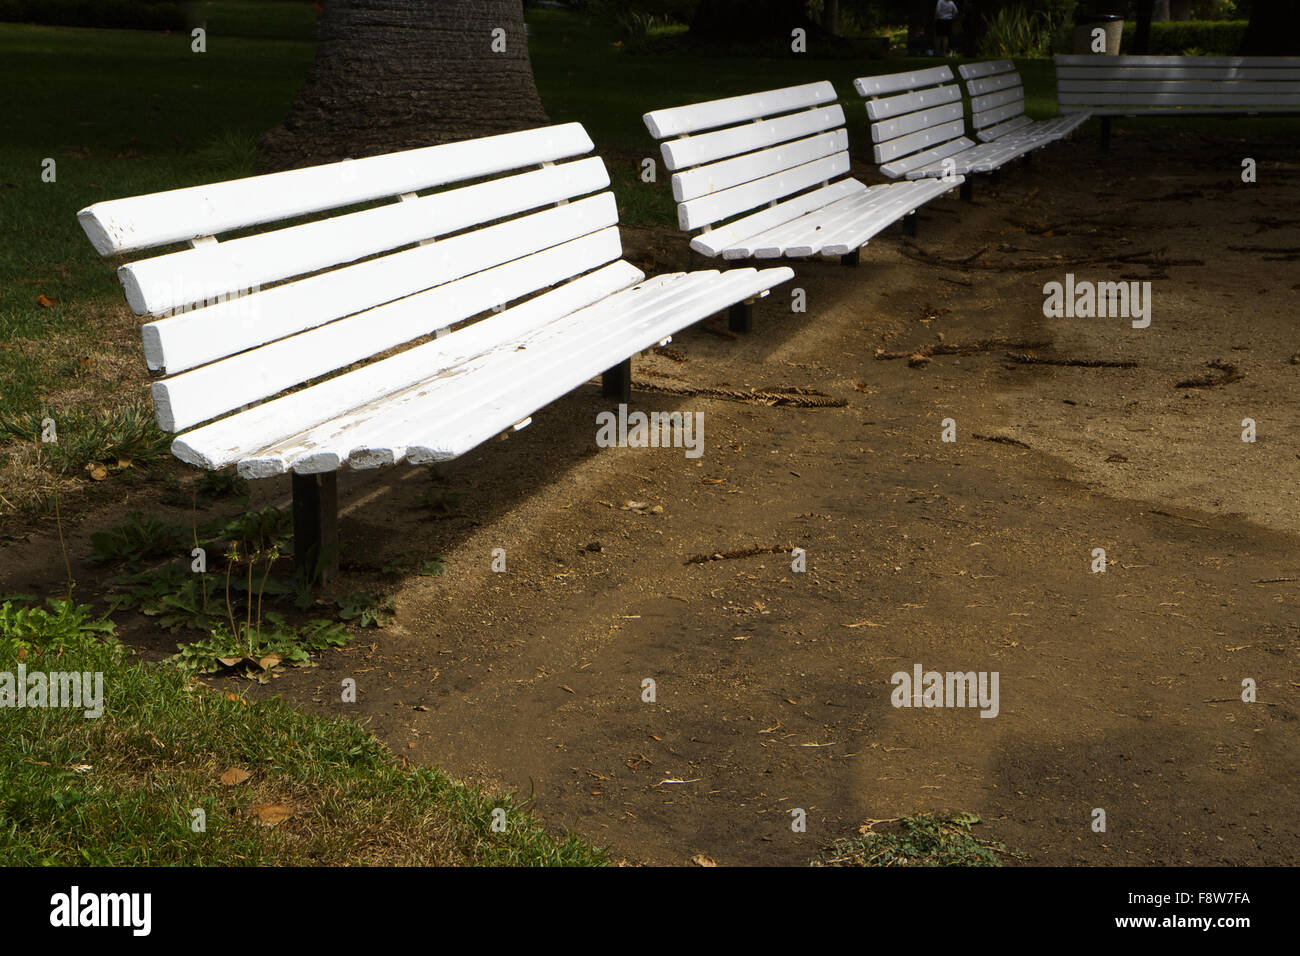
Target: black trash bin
{"type": "Point", "coordinates": [1088, 41]}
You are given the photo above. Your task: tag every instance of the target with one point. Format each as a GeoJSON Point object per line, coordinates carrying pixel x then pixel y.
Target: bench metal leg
{"type": "Point", "coordinates": [851, 258]}
{"type": "Point", "coordinates": [1105, 134]}
{"type": "Point", "coordinates": [909, 223]}
{"type": "Point", "coordinates": [967, 189]}
{"type": "Point", "coordinates": [740, 317]}
{"type": "Point", "coordinates": [315, 526]}
{"type": "Point", "coordinates": [616, 382]}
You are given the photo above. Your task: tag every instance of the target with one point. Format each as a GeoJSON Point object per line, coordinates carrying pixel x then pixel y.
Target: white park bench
{"type": "Point", "coordinates": [919, 131]}
{"type": "Point", "coordinates": [1110, 86]}
{"type": "Point", "coordinates": [766, 175]}
{"type": "Point", "coordinates": [997, 107]}
{"type": "Point", "coordinates": [250, 331]}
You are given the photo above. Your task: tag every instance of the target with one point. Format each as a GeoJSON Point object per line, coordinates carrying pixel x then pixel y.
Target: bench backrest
{"type": "Point", "coordinates": [237, 321]}
{"type": "Point", "coordinates": [916, 118]}
{"type": "Point", "coordinates": [997, 98]}
{"type": "Point", "coordinates": [1230, 83]}
{"type": "Point", "coordinates": [735, 155]}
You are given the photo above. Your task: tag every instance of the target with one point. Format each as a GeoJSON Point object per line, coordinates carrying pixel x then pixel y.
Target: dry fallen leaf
{"type": "Point", "coordinates": [97, 471]}
{"type": "Point", "coordinates": [700, 859]}
{"type": "Point", "coordinates": [270, 813]}
{"type": "Point", "coordinates": [269, 661]}
{"type": "Point", "coordinates": [44, 301]}
{"type": "Point", "coordinates": [234, 776]}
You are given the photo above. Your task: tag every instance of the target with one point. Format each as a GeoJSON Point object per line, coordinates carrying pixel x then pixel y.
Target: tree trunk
{"type": "Point", "coordinates": [1274, 29]}
{"type": "Point", "coordinates": [399, 74]}
{"type": "Point", "coordinates": [1142, 35]}
{"type": "Point", "coordinates": [831, 16]}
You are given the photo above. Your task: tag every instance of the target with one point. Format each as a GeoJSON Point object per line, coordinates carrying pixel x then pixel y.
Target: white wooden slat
{"type": "Point", "coordinates": [716, 241]}
{"type": "Point", "coordinates": [140, 222]}
{"type": "Point", "coordinates": [1176, 73]}
{"type": "Point", "coordinates": [905, 166]}
{"type": "Point", "coordinates": [846, 225]}
{"type": "Point", "coordinates": [380, 430]}
{"type": "Point", "coordinates": [918, 141]}
{"type": "Point", "coordinates": [1067, 59]}
{"type": "Point", "coordinates": [242, 435]}
{"type": "Point", "coordinates": [206, 392]}
{"type": "Point", "coordinates": [893, 82]}
{"type": "Point", "coordinates": [979, 104]}
{"type": "Point", "coordinates": [738, 199]}
{"type": "Point", "coordinates": [715, 177]}
{"type": "Point", "coordinates": [167, 282]}
{"type": "Point", "coordinates": [990, 117]}
{"type": "Point", "coordinates": [908, 102]}
{"type": "Point", "coordinates": [190, 339]}
{"type": "Point", "coordinates": [973, 71]}
{"type": "Point", "coordinates": [806, 235]}
{"type": "Point", "coordinates": [1263, 103]}
{"type": "Point", "coordinates": [521, 374]}
{"type": "Point", "coordinates": [559, 358]}
{"type": "Point", "coordinates": [736, 109]}
{"type": "Point", "coordinates": [1264, 91]}
{"type": "Point", "coordinates": [992, 84]}
{"type": "Point", "coordinates": [895, 208]}
{"type": "Point", "coordinates": [707, 147]}
{"type": "Point", "coordinates": [706, 295]}
{"type": "Point", "coordinates": [913, 122]}
{"type": "Point", "coordinates": [990, 133]}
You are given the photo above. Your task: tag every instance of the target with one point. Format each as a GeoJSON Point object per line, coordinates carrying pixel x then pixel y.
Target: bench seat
{"type": "Point", "coordinates": [491, 376]}
{"type": "Point", "coordinates": [765, 176]}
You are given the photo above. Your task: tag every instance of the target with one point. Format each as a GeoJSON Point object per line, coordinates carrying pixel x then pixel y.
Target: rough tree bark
{"type": "Point", "coordinates": [399, 74]}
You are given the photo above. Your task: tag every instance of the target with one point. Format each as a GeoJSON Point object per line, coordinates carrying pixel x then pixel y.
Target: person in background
{"type": "Point", "coordinates": [944, 14]}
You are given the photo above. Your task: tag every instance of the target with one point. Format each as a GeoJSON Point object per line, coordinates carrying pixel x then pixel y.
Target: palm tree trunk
{"type": "Point", "coordinates": [398, 74]}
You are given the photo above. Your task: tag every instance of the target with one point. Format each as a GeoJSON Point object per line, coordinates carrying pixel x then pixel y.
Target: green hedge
{"type": "Point", "coordinates": [118, 14]}
{"type": "Point", "coordinates": [1176, 38]}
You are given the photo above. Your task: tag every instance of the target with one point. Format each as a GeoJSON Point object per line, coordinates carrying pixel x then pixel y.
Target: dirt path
{"type": "Point", "coordinates": [1118, 690]}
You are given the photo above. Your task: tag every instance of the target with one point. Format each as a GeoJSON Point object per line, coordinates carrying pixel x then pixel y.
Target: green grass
{"type": "Point", "coordinates": [121, 789]}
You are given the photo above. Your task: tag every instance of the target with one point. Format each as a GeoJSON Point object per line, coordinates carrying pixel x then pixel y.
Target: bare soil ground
{"type": "Point", "coordinates": [1118, 690]}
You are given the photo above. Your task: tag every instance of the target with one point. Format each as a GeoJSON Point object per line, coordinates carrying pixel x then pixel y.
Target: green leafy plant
{"type": "Point", "coordinates": [138, 539]}
{"type": "Point", "coordinates": [60, 623]}
{"type": "Point", "coordinates": [255, 649]}
{"type": "Point", "coordinates": [366, 609]}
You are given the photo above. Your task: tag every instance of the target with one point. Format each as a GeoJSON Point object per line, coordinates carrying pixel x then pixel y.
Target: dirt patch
{"type": "Point", "coordinates": [772, 687]}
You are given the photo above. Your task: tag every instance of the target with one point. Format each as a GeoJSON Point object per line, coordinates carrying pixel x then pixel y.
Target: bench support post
{"type": "Point", "coordinates": [740, 317]}
{"type": "Point", "coordinates": [995, 177]}
{"type": "Point", "coordinates": [315, 526]}
{"type": "Point", "coordinates": [851, 258]}
{"type": "Point", "coordinates": [967, 189]}
{"type": "Point", "coordinates": [616, 382]}
{"type": "Point", "coordinates": [909, 223]}
{"type": "Point", "coordinates": [1105, 134]}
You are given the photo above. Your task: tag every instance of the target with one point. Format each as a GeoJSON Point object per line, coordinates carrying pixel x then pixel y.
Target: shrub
{"type": "Point", "coordinates": [1178, 38]}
